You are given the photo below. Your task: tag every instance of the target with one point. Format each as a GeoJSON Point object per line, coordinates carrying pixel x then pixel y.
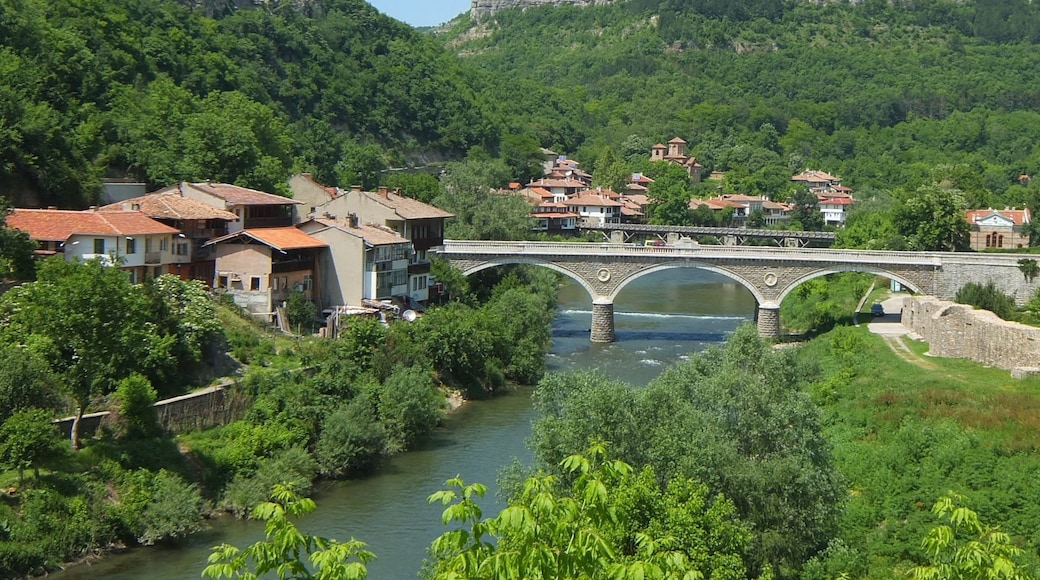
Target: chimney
{"type": "Point", "coordinates": [383, 191]}
{"type": "Point", "coordinates": [355, 188]}
{"type": "Point", "coordinates": [354, 222]}
{"type": "Point", "coordinates": [53, 207]}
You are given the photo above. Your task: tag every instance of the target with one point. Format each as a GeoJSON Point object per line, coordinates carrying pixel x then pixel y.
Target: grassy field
{"type": "Point", "coordinates": [907, 428]}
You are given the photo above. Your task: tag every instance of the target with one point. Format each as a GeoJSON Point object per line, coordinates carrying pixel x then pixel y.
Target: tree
{"type": "Point", "coordinates": [302, 313]}
{"type": "Point", "coordinates": [136, 412]}
{"type": "Point", "coordinates": [25, 380]}
{"type": "Point", "coordinates": [16, 250]}
{"type": "Point", "coordinates": [409, 407]}
{"type": "Point", "coordinates": [804, 210]}
{"type": "Point", "coordinates": [611, 172]}
{"type": "Point", "coordinates": [963, 548]}
{"type": "Point", "coordinates": [932, 219]}
{"type": "Point", "coordinates": [736, 418]}
{"type": "Point", "coordinates": [1029, 268]}
{"type": "Point", "coordinates": [612, 523]}
{"type": "Point", "coordinates": [91, 326]}
{"type": "Point", "coordinates": [481, 214]}
{"type": "Point", "coordinates": [352, 439]}
{"type": "Point", "coordinates": [283, 550]}
{"type": "Point", "coordinates": [28, 438]}
{"type": "Point", "coordinates": [523, 155]}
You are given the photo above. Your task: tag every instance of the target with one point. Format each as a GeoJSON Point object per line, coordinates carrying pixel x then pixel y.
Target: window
{"type": "Point", "coordinates": [164, 244]}
{"type": "Point", "coordinates": [308, 282]}
{"type": "Point", "coordinates": [222, 281]}
{"type": "Point", "coordinates": [156, 271]}
{"type": "Point", "coordinates": [254, 283]}
{"type": "Point", "coordinates": [99, 245]}
{"type": "Point", "coordinates": [180, 248]}
{"type": "Point", "coordinates": [131, 246]}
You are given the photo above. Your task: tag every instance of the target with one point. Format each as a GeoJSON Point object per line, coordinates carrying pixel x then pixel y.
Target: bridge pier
{"type": "Point", "coordinates": [602, 321]}
{"type": "Point", "coordinates": [768, 318]}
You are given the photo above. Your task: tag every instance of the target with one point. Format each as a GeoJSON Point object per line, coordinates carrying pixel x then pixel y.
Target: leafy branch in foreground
{"type": "Point", "coordinates": [964, 548]}
{"type": "Point", "coordinates": [283, 549]}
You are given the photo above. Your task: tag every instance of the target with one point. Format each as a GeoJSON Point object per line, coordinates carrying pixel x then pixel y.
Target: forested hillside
{"type": "Point", "coordinates": [155, 91]}
{"type": "Point", "coordinates": [884, 94]}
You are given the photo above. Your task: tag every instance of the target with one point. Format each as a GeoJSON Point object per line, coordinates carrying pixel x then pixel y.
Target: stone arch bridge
{"type": "Point", "coordinates": [770, 274]}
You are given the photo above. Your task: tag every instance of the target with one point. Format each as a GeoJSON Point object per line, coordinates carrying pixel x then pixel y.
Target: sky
{"type": "Point", "coordinates": [421, 12]}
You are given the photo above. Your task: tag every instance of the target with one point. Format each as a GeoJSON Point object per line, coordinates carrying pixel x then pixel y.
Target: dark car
{"type": "Point", "coordinates": [876, 309]}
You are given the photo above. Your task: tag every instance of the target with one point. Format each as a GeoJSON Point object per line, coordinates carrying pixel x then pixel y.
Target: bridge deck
{"type": "Point", "coordinates": [710, 231]}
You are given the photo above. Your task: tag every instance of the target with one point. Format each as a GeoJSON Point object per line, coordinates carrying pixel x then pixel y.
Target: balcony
{"type": "Point", "coordinates": [153, 258]}
{"type": "Point", "coordinates": [268, 222]}
{"type": "Point", "coordinates": [420, 268]}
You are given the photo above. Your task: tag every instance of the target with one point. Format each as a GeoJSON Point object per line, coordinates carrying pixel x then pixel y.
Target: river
{"type": "Point", "coordinates": [659, 319]}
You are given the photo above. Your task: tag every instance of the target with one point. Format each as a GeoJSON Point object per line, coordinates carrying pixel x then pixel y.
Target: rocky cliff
{"type": "Point", "coordinates": [481, 9]}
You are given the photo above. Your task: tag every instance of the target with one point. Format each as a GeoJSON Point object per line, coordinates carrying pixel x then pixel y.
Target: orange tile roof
{"type": "Point", "coordinates": [56, 225]}
{"type": "Point", "coordinates": [170, 205]}
{"type": "Point", "coordinates": [285, 238]}
{"type": "Point", "coordinates": [1020, 217]}
{"type": "Point", "coordinates": [586, 198]}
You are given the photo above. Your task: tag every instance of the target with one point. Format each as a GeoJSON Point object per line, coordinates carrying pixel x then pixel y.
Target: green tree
{"type": "Point", "coordinates": [611, 172]}
{"type": "Point", "coordinates": [352, 439]}
{"type": "Point", "coordinates": [137, 416]}
{"type": "Point", "coordinates": [25, 380]}
{"type": "Point", "coordinates": [804, 210]}
{"type": "Point", "coordinates": [611, 523]}
{"type": "Point", "coordinates": [284, 548]}
{"type": "Point", "coordinates": [27, 439]}
{"type": "Point", "coordinates": [932, 219]}
{"type": "Point", "coordinates": [735, 417]}
{"type": "Point", "coordinates": [159, 506]}
{"type": "Point", "coordinates": [91, 326]}
{"type": "Point", "coordinates": [964, 548]}
{"type": "Point", "coordinates": [523, 155]}
{"type": "Point", "coordinates": [302, 313]}
{"type": "Point", "coordinates": [16, 249]}
{"type": "Point", "coordinates": [409, 407]}
{"type": "Point", "coordinates": [987, 297]}
{"type": "Point", "coordinates": [1029, 268]}
{"type": "Point", "coordinates": [481, 214]}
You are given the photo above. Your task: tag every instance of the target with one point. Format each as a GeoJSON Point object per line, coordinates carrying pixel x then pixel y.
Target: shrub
{"type": "Point", "coordinates": [987, 297]}
{"type": "Point", "coordinates": [159, 506]}
{"type": "Point", "coordinates": [248, 489]}
{"type": "Point", "coordinates": [352, 440]}
{"type": "Point", "coordinates": [409, 407]}
{"type": "Point", "coordinates": [136, 414]}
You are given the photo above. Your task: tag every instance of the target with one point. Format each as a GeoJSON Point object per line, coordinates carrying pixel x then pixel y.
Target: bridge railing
{"type": "Point", "coordinates": [457, 247]}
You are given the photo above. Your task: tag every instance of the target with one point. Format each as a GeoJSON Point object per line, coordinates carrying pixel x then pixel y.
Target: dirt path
{"type": "Point", "coordinates": [903, 351]}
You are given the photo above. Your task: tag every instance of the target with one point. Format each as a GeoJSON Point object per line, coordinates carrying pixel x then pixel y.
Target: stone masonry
{"type": "Point", "coordinates": [959, 331]}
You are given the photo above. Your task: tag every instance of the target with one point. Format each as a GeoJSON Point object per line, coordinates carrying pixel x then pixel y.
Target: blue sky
{"type": "Point", "coordinates": [421, 12]}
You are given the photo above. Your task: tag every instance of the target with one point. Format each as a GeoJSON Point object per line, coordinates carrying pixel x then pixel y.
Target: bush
{"type": "Point", "coordinates": [136, 414]}
{"type": "Point", "coordinates": [987, 297]}
{"type": "Point", "coordinates": [409, 407]}
{"type": "Point", "coordinates": [248, 489]}
{"type": "Point", "coordinates": [352, 440]}
{"type": "Point", "coordinates": [159, 506]}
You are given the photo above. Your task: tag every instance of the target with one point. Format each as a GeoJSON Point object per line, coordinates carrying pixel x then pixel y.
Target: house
{"type": "Point", "coordinates": [564, 168]}
{"type": "Point", "coordinates": [991, 228]}
{"type": "Point", "coordinates": [675, 152]}
{"type": "Point", "coordinates": [834, 209]}
{"type": "Point", "coordinates": [554, 217]}
{"type": "Point", "coordinates": [595, 208]}
{"type": "Point", "coordinates": [819, 181]}
{"type": "Point", "coordinates": [253, 209]}
{"type": "Point", "coordinates": [259, 267]}
{"type": "Point", "coordinates": [135, 242]}
{"type": "Point", "coordinates": [197, 221]}
{"type": "Point", "coordinates": [310, 194]}
{"type": "Point", "coordinates": [419, 223]}
{"type": "Point", "coordinates": [364, 261]}
{"type": "Point", "coordinates": [561, 188]}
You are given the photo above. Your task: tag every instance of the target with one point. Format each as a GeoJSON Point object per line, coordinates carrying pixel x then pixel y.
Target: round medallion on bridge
{"type": "Point", "coordinates": [603, 275]}
{"type": "Point", "coordinates": [770, 279]}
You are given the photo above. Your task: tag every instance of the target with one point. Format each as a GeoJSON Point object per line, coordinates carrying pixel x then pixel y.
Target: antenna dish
{"type": "Point", "coordinates": [409, 315]}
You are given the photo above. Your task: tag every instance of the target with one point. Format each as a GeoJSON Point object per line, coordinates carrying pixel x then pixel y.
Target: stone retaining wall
{"type": "Point", "coordinates": [207, 408]}
{"type": "Point", "coordinates": [959, 331]}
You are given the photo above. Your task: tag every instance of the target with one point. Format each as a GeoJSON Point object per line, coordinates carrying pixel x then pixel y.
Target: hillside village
{"type": "Point", "coordinates": [361, 251]}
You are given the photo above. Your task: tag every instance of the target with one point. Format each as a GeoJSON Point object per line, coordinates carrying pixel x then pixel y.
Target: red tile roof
{"type": "Point", "coordinates": [1020, 217]}
{"type": "Point", "coordinates": [56, 225]}
{"type": "Point", "coordinates": [372, 234]}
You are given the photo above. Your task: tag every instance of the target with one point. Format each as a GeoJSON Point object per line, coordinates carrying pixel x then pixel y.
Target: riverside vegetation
{"type": "Point", "coordinates": [319, 408]}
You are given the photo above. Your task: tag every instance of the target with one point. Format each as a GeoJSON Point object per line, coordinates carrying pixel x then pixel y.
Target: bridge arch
{"type": "Point", "coordinates": [847, 268]}
{"type": "Point", "coordinates": [688, 264]}
{"type": "Point", "coordinates": [534, 262]}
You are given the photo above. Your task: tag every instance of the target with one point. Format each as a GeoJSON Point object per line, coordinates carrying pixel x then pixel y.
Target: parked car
{"type": "Point", "coordinates": [876, 309]}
